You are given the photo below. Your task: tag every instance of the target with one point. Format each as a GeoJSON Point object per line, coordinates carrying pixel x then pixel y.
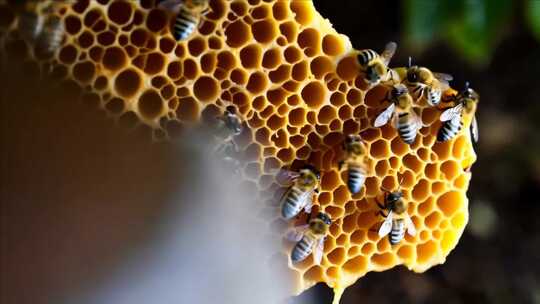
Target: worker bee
{"type": "Point", "coordinates": [30, 23]}
{"type": "Point", "coordinates": [300, 194]}
{"type": "Point", "coordinates": [226, 128]}
{"type": "Point", "coordinates": [356, 161]}
{"type": "Point", "coordinates": [424, 83]}
{"type": "Point", "coordinates": [188, 16]}
{"type": "Point", "coordinates": [310, 238]}
{"type": "Point", "coordinates": [404, 119]}
{"type": "Point", "coordinates": [397, 220]}
{"type": "Point", "coordinates": [452, 118]}
{"type": "Point", "coordinates": [375, 66]}
{"type": "Point", "coordinates": [51, 36]}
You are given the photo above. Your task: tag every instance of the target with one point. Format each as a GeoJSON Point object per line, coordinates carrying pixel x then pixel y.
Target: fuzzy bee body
{"type": "Point", "coordinates": [424, 83]}
{"type": "Point", "coordinates": [398, 231]}
{"type": "Point", "coordinates": [397, 221]}
{"type": "Point", "coordinates": [454, 118]}
{"type": "Point", "coordinates": [188, 16]}
{"type": "Point", "coordinates": [449, 129]}
{"type": "Point", "coordinates": [51, 37]}
{"type": "Point", "coordinates": [356, 161]}
{"type": "Point", "coordinates": [407, 127]}
{"type": "Point", "coordinates": [299, 195]}
{"type": "Point", "coordinates": [310, 239]}
{"type": "Point", "coordinates": [375, 66]}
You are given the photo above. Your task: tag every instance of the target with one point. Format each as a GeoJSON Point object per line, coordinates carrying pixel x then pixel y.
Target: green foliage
{"type": "Point", "coordinates": [533, 16]}
{"type": "Point", "coordinates": [473, 27]}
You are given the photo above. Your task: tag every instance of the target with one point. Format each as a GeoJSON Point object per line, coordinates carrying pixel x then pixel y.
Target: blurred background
{"type": "Point", "coordinates": [79, 197]}
{"type": "Point", "coordinates": [495, 45]}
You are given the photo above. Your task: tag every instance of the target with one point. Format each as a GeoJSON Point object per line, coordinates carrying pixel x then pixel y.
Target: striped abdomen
{"type": "Point", "coordinates": [433, 96]}
{"type": "Point", "coordinates": [293, 202]}
{"type": "Point", "coordinates": [398, 231]}
{"type": "Point", "coordinates": [406, 128]}
{"type": "Point", "coordinates": [357, 177]}
{"type": "Point", "coordinates": [52, 35]}
{"type": "Point", "coordinates": [449, 129]}
{"type": "Point", "coordinates": [303, 248]}
{"type": "Point", "coordinates": [365, 56]}
{"type": "Point", "coordinates": [185, 24]}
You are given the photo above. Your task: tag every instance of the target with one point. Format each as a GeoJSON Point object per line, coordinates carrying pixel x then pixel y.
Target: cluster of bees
{"type": "Point", "coordinates": [407, 87]}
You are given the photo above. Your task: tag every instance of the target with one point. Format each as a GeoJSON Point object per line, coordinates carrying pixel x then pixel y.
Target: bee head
{"type": "Point", "coordinates": [230, 110]}
{"type": "Point", "coordinates": [352, 138]}
{"type": "Point", "coordinates": [412, 73]}
{"type": "Point", "coordinates": [325, 218]}
{"type": "Point", "coordinates": [469, 98]}
{"type": "Point", "coordinates": [309, 169]}
{"type": "Point", "coordinates": [394, 196]}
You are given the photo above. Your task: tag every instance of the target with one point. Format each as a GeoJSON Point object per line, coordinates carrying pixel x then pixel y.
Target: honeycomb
{"type": "Point", "coordinates": [295, 82]}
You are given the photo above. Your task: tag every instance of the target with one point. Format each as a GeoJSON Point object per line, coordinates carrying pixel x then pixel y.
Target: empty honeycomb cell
{"type": "Point", "coordinates": [335, 124]}
{"type": "Point", "coordinates": [459, 145]}
{"type": "Point", "coordinates": [326, 114]}
{"type": "Point", "coordinates": [450, 202]}
{"type": "Point", "coordinates": [128, 120]}
{"type": "Point", "coordinates": [139, 37]}
{"type": "Point", "coordinates": [275, 122]}
{"type": "Point", "coordinates": [191, 69]}
{"type": "Point", "coordinates": [155, 63]}
{"type": "Point", "coordinates": [240, 99]}
{"type": "Point", "coordinates": [73, 25]}
{"type": "Point", "coordinates": [450, 169]}
{"type": "Point", "coordinates": [106, 38]}
{"type": "Point", "coordinates": [150, 105]}
{"type": "Point", "coordinates": [208, 62]}
{"type": "Point", "coordinates": [214, 43]}
{"type": "Point", "coordinates": [423, 154]}
{"type": "Point", "coordinates": [354, 97]}
{"type": "Point", "coordinates": [84, 71]}
{"type": "Point", "coordinates": [269, 110]}
{"type": "Point", "coordinates": [272, 58]}
{"type": "Point", "coordinates": [337, 99]}
{"type": "Point", "coordinates": [100, 83]}
{"type": "Point", "coordinates": [292, 54]}
{"type": "Point", "coordinates": [332, 45]}
{"type": "Point", "coordinates": [372, 186]}
{"type": "Point", "coordinates": [196, 46]}
{"type": "Point", "coordinates": [313, 273]}
{"type": "Point", "coordinates": [412, 162]}
{"type": "Point", "coordinates": [264, 31]}
{"type": "Point", "coordinates": [426, 251]}
{"type": "Point", "coordinates": [367, 219]}
{"type": "Point", "coordinates": [174, 70]}
{"type": "Point", "coordinates": [156, 20]}
{"type": "Point", "coordinates": [438, 187]}
{"type": "Point", "coordinates": [381, 169]}
{"type": "Point", "coordinates": [462, 181]}
{"type": "Point", "coordinates": [257, 82]}
{"type": "Point", "coordinates": [383, 260]}
{"type": "Point", "coordinates": [120, 12]}
{"type": "Point", "coordinates": [303, 11]}
{"type": "Point", "coordinates": [333, 272]}
{"type": "Point", "coordinates": [115, 106]}
{"type": "Point", "coordinates": [68, 54]}
{"type": "Point", "coordinates": [336, 256]}
{"type": "Point", "coordinates": [349, 223]}
{"type": "Point", "coordinates": [207, 27]}
{"type": "Point", "coordinates": [220, 74]}
{"type": "Point", "coordinates": [379, 149]}
{"type": "Point", "coordinates": [92, 17]}
{"type": "Point", "coordinates": [368, 248]}
{"type": "Point", "coordinates": [421, 190]}
{"type": "Point", "coordinates": [280, 74]}
{"type": "Point", "coordinates": [158, 81]}
{"type": "Point", "coordinates": [86, 39]}
{"type": "Point", "coordinates": [347, 68]}
{"type": "Point", "coordinates": [433, 219]}
{"type": "Point", "coordinates": [291, 86]}
{"type": "Point", "coordinates": [261, 12]}
{"type": "Point", "coordinates": [127, 83]}
{"type": "Point", "coordinates": [313, 94]}
{"type": "Point", "coordinates": [406, 252]}
{"type": "Point", "coordinates": [309, 38]}
{"type": "Point", "coordinates": [289, 30]}
{"type": "Point", "coordinates": [114, 58]}
{"type": "Point", "coordinates": [432, 170]}
{"type": "Point", "coordinates": [394, 162]}
{"type": "Point", "coordinates": [237, 33]}
{"type": "Point", "coordinates": [442, 149]}
{"type": "Point", "coordinates": [276, 96]}
{"type": "Point", "coordinates": [167, 92]}
{"type": "Point", "coordinates": [300, 71]}
{"type": "Point", "coordinates": [239, 8]}
{"type": "Point", "coordinates": [398, 147]}
{"type": "Point", "coordinates": [239, 77]}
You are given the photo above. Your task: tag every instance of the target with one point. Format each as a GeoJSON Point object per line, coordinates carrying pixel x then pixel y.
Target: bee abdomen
{"type": "Point", "coordinates": [434, 96]}
{"type": "Point", "coordinates": [448, 130]}
{"type": "Point", "coordinates": [406, 128]}
{"type": "Point", "coordinates": [302, 249]}
{"type": "Point", "coordinates": [52, 37]}
{"type": "Point", "coordinates": [397, 233]}
{"type": "Point", "coordinates": [356, 180]}
{"type": "Point", "coordinates": [291, 203]}
{"type": "Point", "coordinates": [184, 25]}
{"type": "Point", "coordinates": [366, 56]}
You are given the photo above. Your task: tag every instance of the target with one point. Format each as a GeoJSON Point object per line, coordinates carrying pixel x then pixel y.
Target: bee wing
{"type": "Point", "coordinates": [442, 77]}
{"type": "Point", "coordinates": [411, 230]}
{"type": "Point", "coordinates": [286, 177]}
{"type": "Point", "coordinates": [318, 251]}
{"type": "Point", "coordinates": [418, 121]}
{"type": "Point", "coordinates": [385, 115]}
{"type": "Point", "coordinates": [295, 234]}
{"type": "Point", "coordinates": [386, 226]}
{"type": "Point", "coordinates": [389, 51]}
{"type": "Point", "coordinates": [474, 129]}
{"type": "Point", "coordinates": [170, 5]}
{"type": "Point", "coordinates": [308, 201]}
{"type": "Point", "coordinates": [451, 113]}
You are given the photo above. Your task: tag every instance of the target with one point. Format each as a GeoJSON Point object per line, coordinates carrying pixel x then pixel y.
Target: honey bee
{"type": "Point", "coordinates": [453, 118]}
{"type": "Point", "coordinates": [188, 16]}
{"type": "Point", "coordinates": [226, 128]}
{"type": "Point", "coordinates": [310, 238]}
{"type": "Point", "coordinates": [424, 83]}
{"type": "Point", "coordinates": [300, 194]}
{"type": "Point", "coordinates": [375, 66]}
{"type": "Point", "coordinates": [51, 36]}
{"type": "Point", "coordinates": [356, 161]}
{"type": "Point", "coordinates": [404, 119]}
{"type": "Point", "coordinates": [397, 220]}
{"type": "Point", "coordinates": [30, 23]}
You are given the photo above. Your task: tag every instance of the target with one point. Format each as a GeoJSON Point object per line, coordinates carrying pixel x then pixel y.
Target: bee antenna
{"type": "Point", "coordinates": [410, 62]}
{"type": "Point", "coordinates": [466, 85]}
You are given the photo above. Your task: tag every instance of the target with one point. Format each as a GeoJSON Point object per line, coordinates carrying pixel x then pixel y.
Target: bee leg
{"type": "Point", "coordinates": [379, 204]}
{"type": "Point", "coordinates": [382, 214]}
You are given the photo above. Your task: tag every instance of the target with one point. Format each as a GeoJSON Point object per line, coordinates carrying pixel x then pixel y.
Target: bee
{"type": "Point", "coordinates": [30, 22]}
{"type": "Point", "coordinates": [401, 111]}
{"type": "Point", "coordinates": [356, 161]}
{"type": "Point", "coordinates": [453, 118]}
{"type": "Point", "coordinates": [300, 194]}
{"type": "Point", "coordinates": [397, 220]}
{"type": "Point", "coordinates": [226, 128]}
{"type": "Point", "coordinates": [188, 16]}
{"type": "Point", "coordinates": [375, 66]}
{"type": "Point", "coordinates": [310, 238]}
{"type": "Point", "coordinates": [424, 83]}
{"type": "Point", "coordinates": [51, 36]}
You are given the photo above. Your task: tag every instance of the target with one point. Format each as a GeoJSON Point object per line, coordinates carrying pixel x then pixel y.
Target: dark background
{"type": "Point", "coordinates": [90, 180]}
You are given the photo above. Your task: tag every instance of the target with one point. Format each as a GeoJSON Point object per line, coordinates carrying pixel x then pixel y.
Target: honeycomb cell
{"type": "Point", "coordinates": [237, 34]}
{"type": "Point", "coordinates": [332, 45]}
{"type": "Point", "coordinates": [303, 11]}
{"type": "Point", "coordinates": [450, 202]}
{"type": "Point", "coordinates": [264, 31]}
{"type": "Point", "coordinates": [257, 82]}
{"type": "Point", "coordinates": [150, 104]}
{"type": "Point", "coordinates": [272, 58]}
{"type": "Point", "coordinates": [289, 30]}
{"type": "Point", "coordinates": [114, 58]}
{"type": "Point", "coordinates": [313, 94]}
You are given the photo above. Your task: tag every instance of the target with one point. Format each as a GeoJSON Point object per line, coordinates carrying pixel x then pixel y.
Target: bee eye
{"type": "Point", "coordinates": [412, 77]}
